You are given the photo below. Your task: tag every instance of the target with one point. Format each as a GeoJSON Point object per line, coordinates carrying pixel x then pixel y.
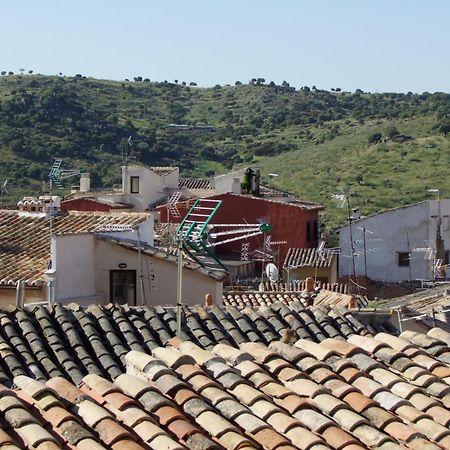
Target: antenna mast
{"type": "Point", "coordinates": [57, 175]}
{"type": "Point", "coordinates": [3, 191]}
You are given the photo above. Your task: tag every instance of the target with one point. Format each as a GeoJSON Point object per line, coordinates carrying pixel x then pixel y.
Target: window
{"type": "Point", "coordinates": [316, 230]}
{"type": "Point", "coordinates": [123, 287]}
{"type": "Point", "coordinates": [134, 184]}
{"type": "Point", "coordinates": [308, 232]}
{"type": "Point", "coordinates": [403, 259]}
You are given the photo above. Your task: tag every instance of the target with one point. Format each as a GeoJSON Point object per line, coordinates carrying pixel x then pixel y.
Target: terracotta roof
{"type": "Point", "coordinates": [229, 382]}
{"type": "Point", "coordinates": [307, 257]}
{"type": "Point", "coordinates": [321, 297]}
{"type": "Point", "coordinates": [422, 301]}
{"type": "Point", "coordinates": [24, 240]}
{"type": "Point", "coordinates": [299, 285]}
{"type": "Point", "coordinates": [110, 203]}
{"type": "Point", "coordinates": [268, 191]}
{"type": "Point", "coordinates": [298, 203]}
{"type": "Point", "coordinates": [162, 171]}
{"type": "Point", "coordinates": [195, 183]}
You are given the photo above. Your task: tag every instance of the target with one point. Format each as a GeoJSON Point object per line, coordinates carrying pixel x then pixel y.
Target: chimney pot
{"type": "Point", "coordinates": [85, 182]}
{"type": "Point", "coordinates": [208, 300]}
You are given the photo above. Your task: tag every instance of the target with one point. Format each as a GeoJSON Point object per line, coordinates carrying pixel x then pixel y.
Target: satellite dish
{"type": "Point", "coordinates": [272, 272]}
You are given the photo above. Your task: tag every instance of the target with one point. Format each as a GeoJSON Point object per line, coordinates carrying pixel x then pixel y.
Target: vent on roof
{"type": "Point", "coordinates": [42, 205]}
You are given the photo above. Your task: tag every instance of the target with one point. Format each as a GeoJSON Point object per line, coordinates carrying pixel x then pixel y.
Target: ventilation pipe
{"type": "Point", "coordinates": [20, 294]}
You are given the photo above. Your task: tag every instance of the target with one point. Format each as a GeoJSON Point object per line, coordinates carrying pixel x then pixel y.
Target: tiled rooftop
{"type": "Point", "coordinates": [422, 301]}
{"type": "Point", "coordinates": [322, 297]}
{"type": "Point", "coordinates": [195, 183]}
{"type": "Point", "coordinates": [231, 382]}
{"type": "Point", "coordinates": [300, 285]}
{"type": "Point", "coordinates": [162, 171]}
{"type": "Point", "coordinates": [307, 257]}
{"type": "Point", "coordinates": [24, 240]}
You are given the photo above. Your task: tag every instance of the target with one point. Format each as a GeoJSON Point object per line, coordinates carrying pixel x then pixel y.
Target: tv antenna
{"type": "Point", "coordinates": [192, 238]}
{"type": "Point", "coordinates": [344, 197]}
{"type": "Point", "coordinates": [56, 176]}
{"type": "Point", "coordinates": [3, 191]}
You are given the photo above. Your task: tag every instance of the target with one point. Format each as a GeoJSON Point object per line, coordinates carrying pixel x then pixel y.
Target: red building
{"type": "Point", "coordinates": [295, 222]}
{"type": "Point", "coordinates": [92, 204]}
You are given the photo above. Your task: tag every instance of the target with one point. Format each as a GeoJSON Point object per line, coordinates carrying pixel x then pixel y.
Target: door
{"type": "Point", "coordinates": [123, 287]}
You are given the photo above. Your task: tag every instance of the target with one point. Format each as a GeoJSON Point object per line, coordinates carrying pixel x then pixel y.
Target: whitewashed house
{"type": "Point", "coordinates": [399, 244]}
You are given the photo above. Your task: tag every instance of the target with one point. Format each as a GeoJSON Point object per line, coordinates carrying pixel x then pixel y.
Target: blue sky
{"type": "Point", "coordinates": [374, 45]}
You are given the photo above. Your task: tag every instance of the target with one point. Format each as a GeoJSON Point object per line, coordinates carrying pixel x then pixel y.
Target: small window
{"type": "Point", "coordinates": [316, 230]}
{"type": "Point", "coordinates": [134, 183]}
{"type": "Point", "coordinates": [308, 232]}
{"type": "Point", "coordinates": [403, 259]}
{"type": "Point", "coordinates": [123, 287]}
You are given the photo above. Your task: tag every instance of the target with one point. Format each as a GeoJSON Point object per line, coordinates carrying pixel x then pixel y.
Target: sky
{"type": "Point", "coordinates": [373, 45]}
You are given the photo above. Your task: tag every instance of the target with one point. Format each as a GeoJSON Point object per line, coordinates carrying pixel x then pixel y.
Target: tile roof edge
{"type": "Point", "coordinates": [307, 205]}
{"type": "Point", "coordinates": [386, 211]}
{"type": "Point", "coordinates": [162, 255]}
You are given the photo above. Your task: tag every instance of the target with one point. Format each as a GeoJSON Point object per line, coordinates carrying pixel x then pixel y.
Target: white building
{"type": "Point", "coordinates": [142, 188]}
{"type": "Point", "coordinates": [401, 244]}
{"type": "Point", "coordinates": [94, 258]}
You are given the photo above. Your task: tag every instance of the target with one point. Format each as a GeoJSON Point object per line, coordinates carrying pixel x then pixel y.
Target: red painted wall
{"type": "Point", "coordinates": [82, 204]}
{"type": "Point", "coordinates": [288, 222]}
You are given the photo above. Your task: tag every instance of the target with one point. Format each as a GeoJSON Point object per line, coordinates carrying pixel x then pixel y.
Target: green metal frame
{"type": "Point", "coordinates": [192, 247]}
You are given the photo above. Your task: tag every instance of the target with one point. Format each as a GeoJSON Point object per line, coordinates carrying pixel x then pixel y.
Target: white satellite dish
{"type": "Point", "coordinates": [272, 272]}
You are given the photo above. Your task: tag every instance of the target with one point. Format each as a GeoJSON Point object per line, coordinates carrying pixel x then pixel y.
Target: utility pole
{"type": "Point", "coordinates": [409, 262]}
{"type": "Point", "coordinates": [365, 252]}
{"type": "Point", "coordinates": [347, 196]}
{"type": "Point", "coordinates": [179, 284]}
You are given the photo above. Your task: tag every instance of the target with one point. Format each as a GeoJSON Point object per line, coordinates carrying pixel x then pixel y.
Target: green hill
{"type": "Point", "coordinates": [387, 148]}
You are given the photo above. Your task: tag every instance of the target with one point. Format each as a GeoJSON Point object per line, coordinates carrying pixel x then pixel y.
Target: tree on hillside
{"type": "Point", "coordinates": [392, 132]}
{"type": "Point", "coordinates": [374, 138]}
{"type": "Point", "coordinates": [3, 72]}
{"type": "Point", "coordinates": [444, 126]}
{"type": "Point", "coordinates": [238, 83]}
{"type": "Point", "coordinates": [30, 72]}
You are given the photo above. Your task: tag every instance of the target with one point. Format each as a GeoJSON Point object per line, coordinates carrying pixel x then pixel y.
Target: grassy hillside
{"type": "Point", "coordinates": [387, 148]}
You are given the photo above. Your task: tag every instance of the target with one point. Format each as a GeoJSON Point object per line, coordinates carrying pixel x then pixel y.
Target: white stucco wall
{"type": "Point", "coordinates": [73, 258]}
{"type": "Point", "coordinates": [83, 263]}
{"type": "Point", "coordinates": [146, 232]}
{"type": "Point", "coordinates": [150, 186]}
{"type": "Point", "coordinates": [388, 234]}
{"type": "Point", "coordinates": [161, 290]}
{"type": "Point", "coordinates": [225, 183]}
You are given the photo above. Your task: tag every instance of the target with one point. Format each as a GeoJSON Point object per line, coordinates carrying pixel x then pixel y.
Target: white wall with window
{"type": "Point", "coordinates": [91, 270]}
{"type": "Point", "coordinates": [396, 242]}
{"type": "Point", "coordinates": [143, 187]}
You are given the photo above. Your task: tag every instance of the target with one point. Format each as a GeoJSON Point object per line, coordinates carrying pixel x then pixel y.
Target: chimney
{"type": "Point", "coordinates": [208, 300]}
{"type": "Point", "coordinates": [236, 186]}
{"type": "Point", "coordinates": [85, 182]}
{"type": "Point", "coordinates": [356, 214]}
{"type": "Point", "coordinates": [255, 183]}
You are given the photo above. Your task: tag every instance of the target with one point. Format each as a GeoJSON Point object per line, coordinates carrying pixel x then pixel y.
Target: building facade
{"type": "Point", "coordinates": [293, 224]}
{"type": "Point", "coordinates": [400, 244]}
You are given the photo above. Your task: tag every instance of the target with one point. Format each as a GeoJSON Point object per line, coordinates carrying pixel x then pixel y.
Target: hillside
{"type": "Point", "coordinates": [387, 148]}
